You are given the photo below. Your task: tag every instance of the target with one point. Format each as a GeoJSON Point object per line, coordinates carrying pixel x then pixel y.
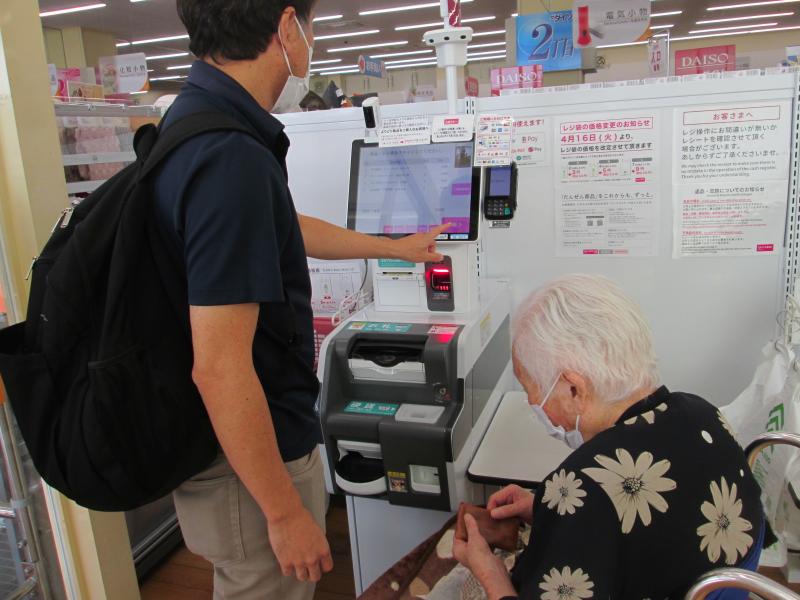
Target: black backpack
{"type": "Point", "coordinates": [99, 376]}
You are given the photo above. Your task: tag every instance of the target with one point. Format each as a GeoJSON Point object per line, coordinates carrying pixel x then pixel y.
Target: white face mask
{"type": "Point", "coordinates": [296, 88]}
{"type": "Point", "coordinates": [573, 438]}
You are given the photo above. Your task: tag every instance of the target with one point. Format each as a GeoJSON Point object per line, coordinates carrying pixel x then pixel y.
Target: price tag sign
{"type": "Point", "coordinates": [546, 39]}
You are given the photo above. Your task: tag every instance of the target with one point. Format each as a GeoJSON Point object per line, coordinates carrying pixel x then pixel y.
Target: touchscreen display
{"type": "Point", "coordinates": [412, 189]}
{"type": "Point", "coordinates": [500, 182]}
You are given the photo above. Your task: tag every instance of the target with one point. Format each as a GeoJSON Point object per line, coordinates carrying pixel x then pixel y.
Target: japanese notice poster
{"type": "Point", "coordinates": [404, 131]}
{"type": "Point", "coordinates": [731, 179]}
{"type": "Point", "coordinates": [453, 128]}
{"type": "Point", "coordinates": [493, 140]}
{"type": "Point", "coordinates": [607, 149]}
{"type": "Point", "coordinates": [607, 221]}
{"type": "Point", "coordinates": [529, 144]}
{"type": "Point", "coordinates": [733, 142]}
{"type": "Point", "coordinates": [607, 177]}
{"type": "Point", "coordinates": [730, 219]}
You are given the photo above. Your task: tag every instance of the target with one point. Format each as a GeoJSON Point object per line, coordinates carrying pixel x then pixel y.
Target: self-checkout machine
{"type": "Point", "coordinates": [410, 383]}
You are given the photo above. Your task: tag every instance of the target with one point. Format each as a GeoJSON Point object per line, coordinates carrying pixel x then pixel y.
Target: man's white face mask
{"type": "Point", "coordinates": [296, 88]}
{"type": "Point", "coordinates": [574, 438]}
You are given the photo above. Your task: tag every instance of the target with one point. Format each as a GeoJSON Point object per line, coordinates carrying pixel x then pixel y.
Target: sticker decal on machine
{"type": "Point", "coordinates": [372, 408]}
{"type": "Point", "coordinates": [397, 481]}
{"type": "Point", "coordinates": [380, 327]}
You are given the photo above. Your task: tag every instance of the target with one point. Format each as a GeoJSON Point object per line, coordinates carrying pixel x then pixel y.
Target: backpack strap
{"type": "Point", "coordinates": [152, 151]}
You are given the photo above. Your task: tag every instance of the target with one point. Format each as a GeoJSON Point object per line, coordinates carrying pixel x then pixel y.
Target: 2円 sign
{"type": "Point", "coordinates": [546, 39]}
{"type": "Point", "coordinates": [713, 59]}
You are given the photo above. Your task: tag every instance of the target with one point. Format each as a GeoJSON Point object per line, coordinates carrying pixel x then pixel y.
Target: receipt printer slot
{"type": "Point", "coordinates": [387, 362]}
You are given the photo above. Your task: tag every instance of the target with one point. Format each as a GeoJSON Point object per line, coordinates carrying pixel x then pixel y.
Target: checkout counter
{"type": "Point", "coordinates": [412, 383]}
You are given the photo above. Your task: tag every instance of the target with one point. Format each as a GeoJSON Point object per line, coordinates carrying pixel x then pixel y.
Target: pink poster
{"type": "Point", "coordinates": [516, 78]}
{"type": "Point", "coordinates": [64, 76]}
{"type": "Point", "coordinates": [705, 60]}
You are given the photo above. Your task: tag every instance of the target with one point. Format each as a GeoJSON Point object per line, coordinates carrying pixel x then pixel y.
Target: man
{"type": "Point", "coordinates": [223, 203]}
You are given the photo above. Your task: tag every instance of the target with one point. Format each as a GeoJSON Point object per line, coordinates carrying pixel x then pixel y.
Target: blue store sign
{"type": "Point", "coordinates": [371, 67]}
{"type": "Point", "coordinates": [546, 39]}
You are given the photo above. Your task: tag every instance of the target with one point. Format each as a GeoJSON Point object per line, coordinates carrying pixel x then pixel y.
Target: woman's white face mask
{"type": "Point", "coordinates": [573, 438]}
{"type": "Point", "coordinates": [296, 88]}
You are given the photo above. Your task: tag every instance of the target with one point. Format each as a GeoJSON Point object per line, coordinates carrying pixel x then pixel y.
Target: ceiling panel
{"type": "Point", "coordinates": [158, 18]}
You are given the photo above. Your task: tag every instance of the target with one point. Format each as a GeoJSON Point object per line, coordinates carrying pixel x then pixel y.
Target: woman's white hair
{"type": "Point", "coordinates": [586, 324]}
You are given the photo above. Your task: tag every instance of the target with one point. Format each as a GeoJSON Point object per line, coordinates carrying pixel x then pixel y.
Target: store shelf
{"type": "Point", "coordinates": [73, 160]}
{"type": "Point", "coordinates": [83, 187]}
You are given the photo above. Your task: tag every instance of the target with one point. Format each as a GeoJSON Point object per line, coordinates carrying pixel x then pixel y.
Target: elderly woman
{"type": "Point", "coordinates": [657, 491]}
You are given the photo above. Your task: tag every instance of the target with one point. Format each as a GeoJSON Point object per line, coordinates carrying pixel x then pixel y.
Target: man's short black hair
{"type": "Point", "coordinates": [235, 29]}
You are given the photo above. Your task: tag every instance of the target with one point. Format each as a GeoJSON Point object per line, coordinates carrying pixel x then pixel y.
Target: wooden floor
{"type": "Point", "coordinates": [186, 576]}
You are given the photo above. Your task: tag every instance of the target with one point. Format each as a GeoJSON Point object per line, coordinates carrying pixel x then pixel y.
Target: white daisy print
{"type": "Point", "coordinates": [633, 487]}
{"type": "Point", "coordinates": [649, 416]}
{"type": "Point", "coordinates": [563, 491]}
{"type": "Point", "coordinates": [725, 530]}
{"type": "Point", "coordinates": [566, 585]}
{"type": "Point", "coordinates": [725, 424]}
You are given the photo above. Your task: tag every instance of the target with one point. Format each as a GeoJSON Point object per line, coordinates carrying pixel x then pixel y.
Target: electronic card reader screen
{"type": "Point", "coordinates": [396, 192]}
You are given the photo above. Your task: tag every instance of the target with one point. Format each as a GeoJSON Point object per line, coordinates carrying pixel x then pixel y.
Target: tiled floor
{"type": "Point", "coordinates": [185, 576]}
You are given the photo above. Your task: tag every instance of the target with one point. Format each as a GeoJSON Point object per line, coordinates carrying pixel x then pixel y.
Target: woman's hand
{"type": "Point", "coordinates": [511, 501]}
{"type": "Point", "coordinates": [487, 568]}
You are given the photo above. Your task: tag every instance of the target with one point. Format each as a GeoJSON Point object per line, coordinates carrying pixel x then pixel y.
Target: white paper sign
{"type": "Point", "coordinates": [529, 145]}
{"type": "Point", "coordinates": [600, 22]}
{"type": "Point", "coordinates": [51, 68]}
{"type": "Point", "coordinates": [332, 282]}
{"type": "Point", "coordinates": [733, 142]}
{"type": "Point", "coordinates": [607, 221]}
{"type": "Point", "coordinates": [658, 56]}
{"type": "Point", "coordinates": [453, 128]}
{"type": "Point", "coordinates": [607, 148]}
{"type": "Point", "coordinates": [404, 131]}
{"type": "Point", "coordinates": [493, 140]}
{"type": "Point", "coordinates": [124, 74]}
{"type": "Point", "coordinates": [729, 219]}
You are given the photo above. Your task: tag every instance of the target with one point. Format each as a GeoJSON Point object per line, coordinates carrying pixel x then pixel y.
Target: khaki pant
{"type": "Point", "coordinates": [221, 522]}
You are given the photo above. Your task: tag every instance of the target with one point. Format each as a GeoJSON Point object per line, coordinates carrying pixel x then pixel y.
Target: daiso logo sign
{"type": "Point", "coordinates": [705, 60]}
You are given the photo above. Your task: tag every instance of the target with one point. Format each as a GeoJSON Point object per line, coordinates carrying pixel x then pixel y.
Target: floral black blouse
{"type": "Point", "coordinates": [644, 508]}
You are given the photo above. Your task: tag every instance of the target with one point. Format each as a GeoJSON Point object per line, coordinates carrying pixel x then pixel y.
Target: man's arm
{"type": "Point", "coordinates": [224, 373]}
{"type": "Point", "coordinates": [329, 242]}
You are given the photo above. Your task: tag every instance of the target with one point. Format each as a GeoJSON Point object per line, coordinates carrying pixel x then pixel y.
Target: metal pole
{"type": "Point", "coordinates": [20, 500]}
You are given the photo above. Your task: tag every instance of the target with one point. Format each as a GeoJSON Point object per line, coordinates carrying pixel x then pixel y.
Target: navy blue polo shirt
{"type": "Point", "coordinates": [224, 205]}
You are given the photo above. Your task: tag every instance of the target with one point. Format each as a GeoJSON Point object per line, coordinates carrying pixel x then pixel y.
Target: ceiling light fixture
{"type": "Point", "coordinates": [487, 53]}
{"type": "Point", "coordinates": [179, 67]}
{"type": "Point", "coordinates": [326, 62]}
{"type": "Point", "coordinates": [439, 23]}
{"type": "Point", "coordinates": [748, 4]}
{"type": "Point", "coordinates": [499, 57]}
{"type": "Point", "coordinates": [489, 45]}
{"type": "Point", "coordinates": [74, 9]}
{"type": "Point", "coordinates": [733, 28]}
{"type": "Point", "coordinates": [412, 65]}
{"type": "Point", "coordinates": [335, 36]}
{"type": "Point", "coordinates": [328, 18]}
{"type": "Point", "coordinates": [162, 56]}
{"type": "Point", "coordinates": [394, 54]}
{"type": "Point", "coordinates": [669, 13]}
{"type": "Point", "coordinates": [713, 35]}
{"type": "Point", "coordinates": [665, 26]}
{"type": "Point", "coordinates": [169, 38]}
{"type": "Point", "coordinates": [342, 72]}
{"type": "Point", "coordinates": [498, 32]}
{"type": "Point", "coordinates": [169, 78]}
{"type": "Point", "coordinates": [403, 61]}
{"type": "Point", "coordinates": [368, 46]}
{"type": "Point", "coordinates": [381, 11]}
{"type": "Point", "coordinates": [749, 18]}
{"type": "Point", "coordinates": [337, 68]}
